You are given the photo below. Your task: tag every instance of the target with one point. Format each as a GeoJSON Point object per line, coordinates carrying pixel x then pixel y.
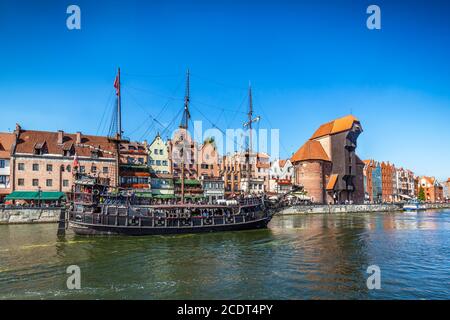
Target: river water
{"type": "Point", "coordinates": [297, 257]}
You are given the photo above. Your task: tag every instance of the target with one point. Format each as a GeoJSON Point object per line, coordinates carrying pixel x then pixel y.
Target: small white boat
{"type": "Point", "coordinates": [414, 206]}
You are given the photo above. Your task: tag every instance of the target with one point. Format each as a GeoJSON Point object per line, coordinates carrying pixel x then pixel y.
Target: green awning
{"type": "Point", "coordinates": [143, 194]}
{"type": "Point", "coordinates": [35, 195]}
{"type": "Point", "coordinates": [164, 196]}
{"type": "Point", "coordinates": [188, 181]}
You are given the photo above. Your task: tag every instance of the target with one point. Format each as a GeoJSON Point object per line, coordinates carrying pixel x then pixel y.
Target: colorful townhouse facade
{"type": "Point", "coordinates": [183, 153]}
{"type": "Point", "coordinates": [208, 165]}
{"type": "Point", "coordinates": [373, 181]}
{"type": "Point", "coordinates": [133, 166]}
{"type": "Point", "coordinates": [281, 175]}
{"type": "Point", "coordinates": [6, 144]}
{"type": "Point", "coordinates": [405, 184]}
{"type": "Point", "coordinates": [388, 182]}
{"type": "Point", "coordinates": [158, 156]}
{"type": "Point", "coordinates": [433, 190]}
{"type": "Point", "coordinates": [446, 189]}
{"type": "Point", "coordinates": [242, 173]}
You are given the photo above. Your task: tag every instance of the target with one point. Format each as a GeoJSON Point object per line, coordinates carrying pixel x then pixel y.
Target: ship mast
{"type": "Point", "coordinates": [119, 106]}
{"type": "Point", "coordinates": [184, 128]}
{"type": "Point", "coordinates": [248, 124]}
{"type": "Point", "coordinates": [118, 138]}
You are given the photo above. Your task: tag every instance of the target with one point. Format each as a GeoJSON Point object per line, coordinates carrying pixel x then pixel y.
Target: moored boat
{"type": "Point", "coordinates": [413, 206]}
{"type": "Point", "coordinates": [97, 208]}
{"type": "Point", "coordinates": [94, 211]}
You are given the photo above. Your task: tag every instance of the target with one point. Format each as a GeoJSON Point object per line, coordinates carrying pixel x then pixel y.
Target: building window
{"type": "Point", "coordinates": [35, 182]}
{"type": "Point", "coordinates": [105, 169]}
{"type": "Point", "coordinates": [164, 162]}
{"type": "Point", "coordinates": [82, 169]}
{"type": "Point", "coordinates": [158, 162]}
{"type": "Point", "coordinates": [152, 162]}
{"type": "Point", "coordinates": [21, 166]}
{"type": "Point", "coordinates": [68, 168]}
{"type": "Point", "coordinates": [2, 179]}
{"type": "Point", "coordinates": [160, 151]}
{"type": "Point", "coordinates": [141, 160]}
{"type": "Point", "coordinates": [2, 163]}
{"type": "Point", "coordinates": [35, 167]}
{"type": "Point", "coordinates": [156, 151]}
{"type": "Point", "coordinates": [21, 182]}
{"type": "Point", "coordinates": [49, 182]}
{"type": "Point", "coordinates": [93, 169]}
{"type": "Point", "coordinates": [49, 167]}
{"type": "Point", "coordinates": [65, 183]}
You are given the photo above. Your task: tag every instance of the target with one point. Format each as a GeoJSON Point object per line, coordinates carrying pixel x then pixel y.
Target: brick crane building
{"type": "Point", "coordinates": [327, 167]}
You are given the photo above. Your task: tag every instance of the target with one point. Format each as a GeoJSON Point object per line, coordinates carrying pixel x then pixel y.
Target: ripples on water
{"type": "Point", "coordinates": [298, 257]}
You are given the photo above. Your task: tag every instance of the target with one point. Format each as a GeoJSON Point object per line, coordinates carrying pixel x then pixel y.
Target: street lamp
{"type": "Point", "coordinates": [39, 196]}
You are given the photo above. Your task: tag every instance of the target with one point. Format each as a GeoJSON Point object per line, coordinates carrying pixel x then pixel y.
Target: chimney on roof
{"type": "Point", "coordinates": [78, 140]}
{"type": "Point", "coordinates": [60, 136]}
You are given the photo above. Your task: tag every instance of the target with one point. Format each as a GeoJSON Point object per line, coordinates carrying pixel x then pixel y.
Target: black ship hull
{"type": "Point", "coordinates": [81, 228]}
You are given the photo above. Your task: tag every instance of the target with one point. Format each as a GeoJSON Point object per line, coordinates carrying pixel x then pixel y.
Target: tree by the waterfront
{"type": "Point", "coordinates": [421, 195]}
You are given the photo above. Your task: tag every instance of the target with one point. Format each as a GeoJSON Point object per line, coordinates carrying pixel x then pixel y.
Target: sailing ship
{"type": "Point", "coordinates": [96, 209]}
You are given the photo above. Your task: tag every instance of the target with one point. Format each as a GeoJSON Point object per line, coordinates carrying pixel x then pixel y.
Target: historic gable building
{"type": "Point", "coordinates": [158, 156]}
{"type": "Point", "coordinates": [327, 167]}
{"type": "Point", "coordinates": [280, 176]}
{"type": "Point", "coordinates": [45, 160]}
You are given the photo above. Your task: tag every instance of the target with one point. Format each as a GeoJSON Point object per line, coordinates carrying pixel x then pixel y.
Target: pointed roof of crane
{"type": "Point", "coordinates": [311, 150]}
{"type": "Point", "coordinates": [335, 126]}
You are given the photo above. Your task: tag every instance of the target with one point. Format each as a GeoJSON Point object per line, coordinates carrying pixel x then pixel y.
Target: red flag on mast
{"type": "Point", "coordinates": [117, 84]}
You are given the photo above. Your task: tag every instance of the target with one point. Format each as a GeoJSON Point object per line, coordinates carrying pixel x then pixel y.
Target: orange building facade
{"type": "Point", "coordinates": [388, 182]}
{"type": "Point", "coordinates": [433, 190]}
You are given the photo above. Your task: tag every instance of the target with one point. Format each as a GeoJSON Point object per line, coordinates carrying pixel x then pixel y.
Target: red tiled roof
{"type": "Point", "coordinates": [335, 126]}
{"type": "Point", "coordinates": [29, 139]}
{"type": "Point", "coordinates": [6, 142]}
{"type": "Point", "coordinates": [311, 150]}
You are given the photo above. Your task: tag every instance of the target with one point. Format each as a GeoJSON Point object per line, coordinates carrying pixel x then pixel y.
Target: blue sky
{"type": "Point", "coordinates": [308, 61]}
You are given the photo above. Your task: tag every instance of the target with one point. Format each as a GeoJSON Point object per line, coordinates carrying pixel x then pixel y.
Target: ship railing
{"type": "Point", "coordinates": [161, 221]}
{"type": "Point", "coordinates": [249, 201]}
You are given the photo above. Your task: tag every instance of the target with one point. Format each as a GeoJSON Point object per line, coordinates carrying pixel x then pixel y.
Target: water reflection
{"type": "Point", "coordinates": [298, 257]}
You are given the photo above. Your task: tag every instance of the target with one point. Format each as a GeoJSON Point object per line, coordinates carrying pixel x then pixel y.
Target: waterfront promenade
{"type": "Point", "coordinates": [352, 208]}
{"type": "Point", "coordinates": [25, 215]}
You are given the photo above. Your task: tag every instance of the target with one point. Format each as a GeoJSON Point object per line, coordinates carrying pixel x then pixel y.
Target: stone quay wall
{"type": "Point", "coordinates": [352, 208]}
{"type": "Point", "coordinates": [29, 215]}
